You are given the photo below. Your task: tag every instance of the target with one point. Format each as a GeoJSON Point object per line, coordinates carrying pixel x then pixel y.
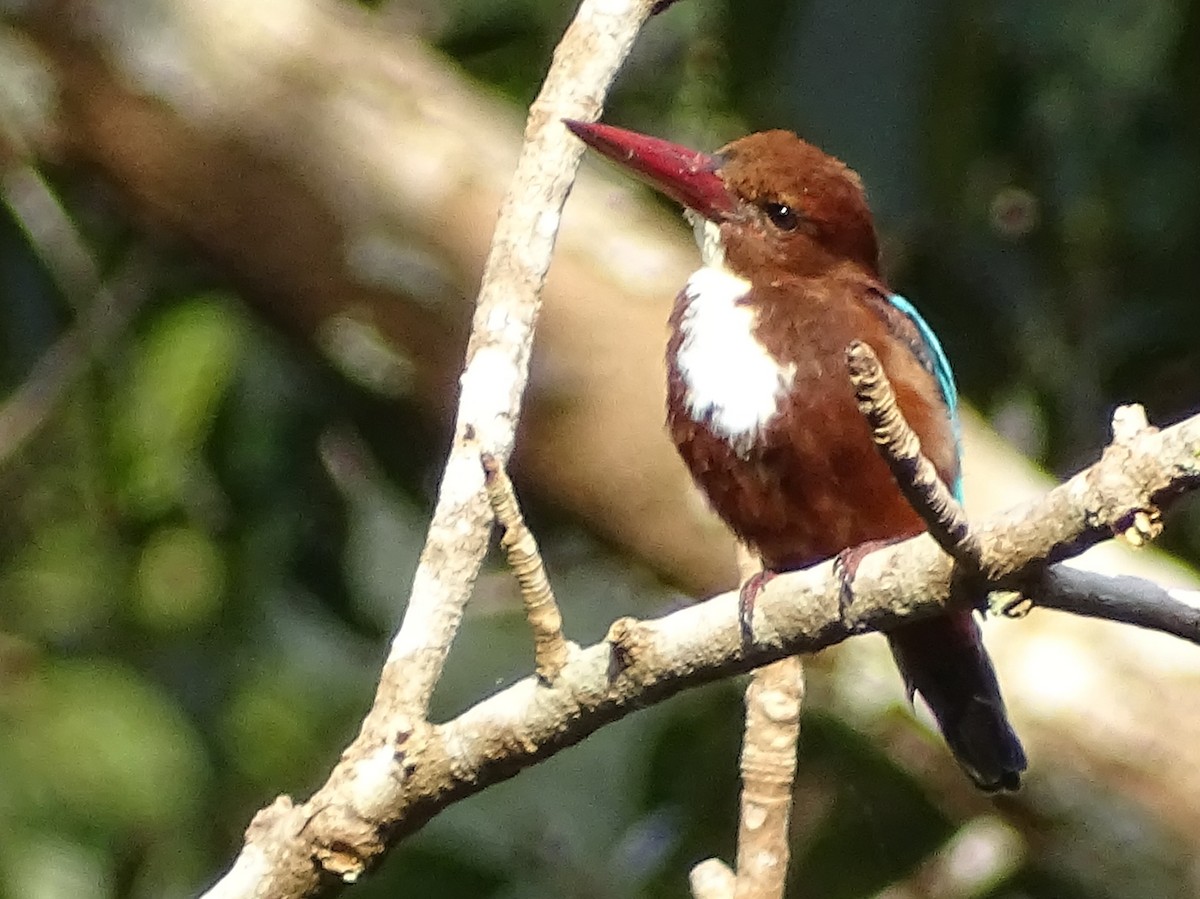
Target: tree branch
{"type": "Point", "coordinates": [497, 364]}
{"type": "Point", "coordinates": [768, 771]}
{"type": "Point", "coordinates": [768, 768]}
{"type": "Point", "coordinates": [711, 879]}
{"type": "Point", "coordinates": [901, 449]}
{"type": "Point", "coordinates": [492, 386]}
{"type": "Point", "coordinates": [327, 126]}
{"type": "Point", "coordinates": [426, 768]}
{"type": "Point", "coordinates": [550, 648]}
{"type": "Point", "coordinates": [1129, 600]}
{"type": "Point", "coordinates": [102, 313]}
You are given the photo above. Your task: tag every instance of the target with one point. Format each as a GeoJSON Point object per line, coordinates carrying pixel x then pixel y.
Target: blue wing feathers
{"type": "Point", "coordinates": [936, 359]}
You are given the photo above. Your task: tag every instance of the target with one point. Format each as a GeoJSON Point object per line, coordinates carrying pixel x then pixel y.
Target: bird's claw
{"type": "Point", "coordinates": [746, 598]}
{"type": "Point", "coordinates": [1008, 604]}
{"type": "Point", "coordinates": [845, 565]}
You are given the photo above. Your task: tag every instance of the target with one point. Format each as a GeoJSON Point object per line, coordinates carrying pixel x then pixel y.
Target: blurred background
{"type": "Point", "coordinates": [238, 249]}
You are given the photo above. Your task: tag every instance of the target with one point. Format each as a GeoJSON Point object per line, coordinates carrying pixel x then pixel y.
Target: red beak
{"type": "Point", "coordinates": [686, 176]}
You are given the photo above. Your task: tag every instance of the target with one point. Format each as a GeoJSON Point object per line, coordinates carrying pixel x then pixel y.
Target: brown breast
{"type": "Point", "coordinates": [811, 482]}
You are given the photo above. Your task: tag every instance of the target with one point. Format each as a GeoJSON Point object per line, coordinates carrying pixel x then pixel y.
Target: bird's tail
{"type": "Point", "coordinates": [944, 660]}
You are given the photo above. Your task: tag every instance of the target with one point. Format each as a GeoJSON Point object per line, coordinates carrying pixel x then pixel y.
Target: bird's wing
{"type": "Point", "coordinates": [934, 358]}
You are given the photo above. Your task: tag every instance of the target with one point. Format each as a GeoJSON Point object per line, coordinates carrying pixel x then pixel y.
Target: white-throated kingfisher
{"type": "Point", "coordinates": [760, 404]}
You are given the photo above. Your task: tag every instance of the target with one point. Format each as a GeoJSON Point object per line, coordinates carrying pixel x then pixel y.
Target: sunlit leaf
{"type": "Point", "coordinates": [181, 369]}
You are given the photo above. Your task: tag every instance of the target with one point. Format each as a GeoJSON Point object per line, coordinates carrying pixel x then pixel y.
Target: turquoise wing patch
{"type": "Point", "coordinates": [940, 367]}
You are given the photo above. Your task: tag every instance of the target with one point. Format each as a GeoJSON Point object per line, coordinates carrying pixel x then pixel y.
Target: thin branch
{"type": "Point", "coordinates": [901, 449]}
{"type": "Point", "coordinates": [711, 879]}
{"type": "Point", "coordinates": [102, 313]}
{"type": "Point", "coordinates": [1145, 525]}
{"type": "Point", "coordinates": [1129, 600]}
{"type": "Point", "coordinates": [52, 234]}
{"type": "Point", "coordinates": [768, 768]}
{"type": "Point", "coordinates": [1132, 601]}
{"type": "Point", "coordinates": [550, 648]}
{"type": "Point", "coordinates": [1134, 479]}
{"type": "Point", "coordinates": [768, 772]}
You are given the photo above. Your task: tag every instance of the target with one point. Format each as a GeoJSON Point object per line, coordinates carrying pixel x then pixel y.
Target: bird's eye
{"type": "Point", "coordinates": [782, 216]}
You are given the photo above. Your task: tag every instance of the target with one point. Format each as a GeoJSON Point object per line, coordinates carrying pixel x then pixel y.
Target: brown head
{"type": "Point", "coordinates": [799, 209]}
{"type": "Point", "coordinates": [784, 207]}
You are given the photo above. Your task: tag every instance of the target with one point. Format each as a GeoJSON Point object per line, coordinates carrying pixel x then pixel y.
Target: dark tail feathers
{"type": "Point", "coordinates": [944, 660]}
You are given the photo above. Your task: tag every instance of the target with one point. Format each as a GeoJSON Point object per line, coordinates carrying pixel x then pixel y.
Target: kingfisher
{"type": "Point", "coordinates": [761, 408]}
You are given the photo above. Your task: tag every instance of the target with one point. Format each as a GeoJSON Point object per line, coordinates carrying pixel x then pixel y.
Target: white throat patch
{"type": "Point", "coordinates": [730, 379]}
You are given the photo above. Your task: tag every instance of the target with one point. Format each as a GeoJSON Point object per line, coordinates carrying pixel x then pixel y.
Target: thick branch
{"type": "Point", "coordinates": [386, 788]}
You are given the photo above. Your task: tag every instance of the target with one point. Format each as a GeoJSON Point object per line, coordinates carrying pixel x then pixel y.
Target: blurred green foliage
{"type": "Point", "coordinates": [203, 551]}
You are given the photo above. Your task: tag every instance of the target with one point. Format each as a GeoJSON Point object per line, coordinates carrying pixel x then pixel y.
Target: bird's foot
{"type": "Point", "coordinates": [845, 565]}
{"type": "Point", "coordinates": [746, 597]}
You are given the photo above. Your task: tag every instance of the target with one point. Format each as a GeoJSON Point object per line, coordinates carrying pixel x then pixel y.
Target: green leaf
{"type": "Point", "coordinates": [95, 748]}
{"type": "Point", "coordinates": [181, 369]}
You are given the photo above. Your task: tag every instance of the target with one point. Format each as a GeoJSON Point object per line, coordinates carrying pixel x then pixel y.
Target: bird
{"type": "Point", "coordinates": [761, 408]}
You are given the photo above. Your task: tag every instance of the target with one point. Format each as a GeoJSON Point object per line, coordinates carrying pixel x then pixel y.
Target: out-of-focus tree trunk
{"type": "Point", "coordinates": [348, 179]}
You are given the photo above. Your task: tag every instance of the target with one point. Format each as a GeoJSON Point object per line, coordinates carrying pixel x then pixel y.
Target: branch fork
{"type": "Point", "coordinates": [1110, 484]}
{"type": "Point", "coordinates": [402, 770]}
